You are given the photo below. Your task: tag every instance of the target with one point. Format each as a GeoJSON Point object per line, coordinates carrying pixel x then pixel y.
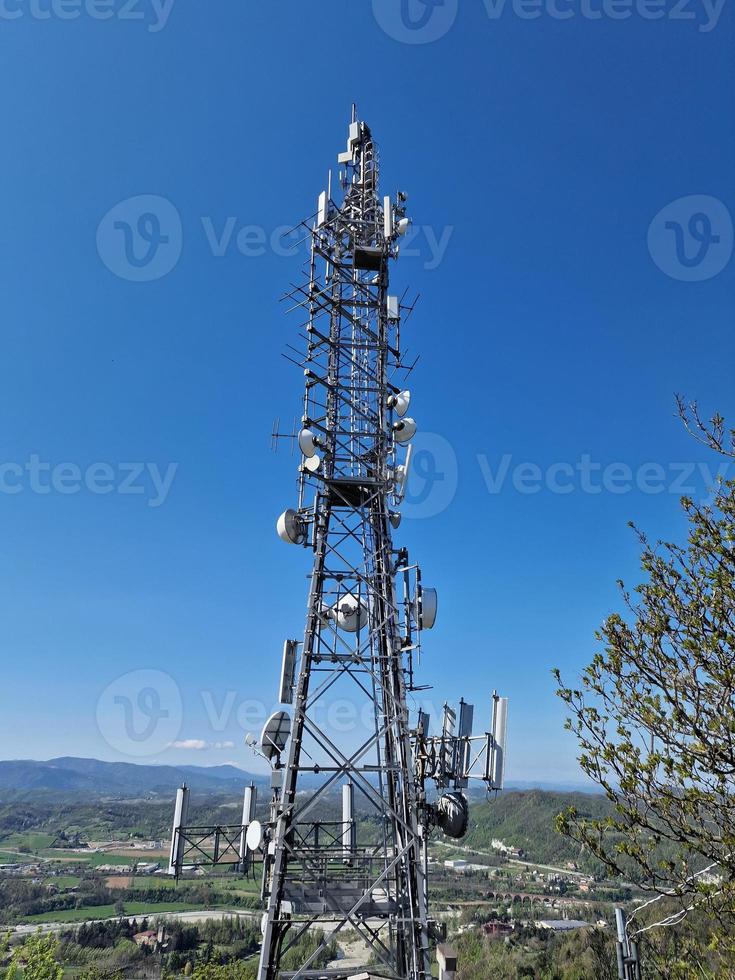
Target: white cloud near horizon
{"type": "Point", "coordinates": [199, 745]}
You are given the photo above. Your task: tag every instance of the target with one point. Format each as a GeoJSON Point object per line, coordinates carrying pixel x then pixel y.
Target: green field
{"type": "Point", "coordinates": [91, 859]}
{"type": "Point", "coordinates": [63, 881]}
{"type": "Point", "coordinates": [139, 882]}
{"type": "Point", "coordinates": [36, 841]}
{"type": "Point", "coordinates": [108, 911]}
{"type": "Point", "coordinates": [242, 887]}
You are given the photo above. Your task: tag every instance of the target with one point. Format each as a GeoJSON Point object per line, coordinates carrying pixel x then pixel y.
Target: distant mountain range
{"type": "Point", "coordinates": [132, 780]}
{"type": "Point", "coordinates": [121, 779]}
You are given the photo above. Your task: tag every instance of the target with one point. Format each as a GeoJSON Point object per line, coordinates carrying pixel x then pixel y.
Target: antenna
{"type": "Point", "coordinates": [366, 618]}
{"type": "Point", "coordinates": [277, 435]}
{"type": "Point", "coordinates": [276, 732]}
{"type": "Point", "coordinates": [181, 814]}
{"type": "Point", "coordinates": [249, 804]}
{"type": "Point", "coordinates": [288, 672]}
{"type": "Point", "coordinates": [498, 733]}
{"type": "Point", "coordinates": [464, 736]}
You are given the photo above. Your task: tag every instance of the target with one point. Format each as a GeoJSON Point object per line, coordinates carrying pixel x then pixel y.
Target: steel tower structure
{"type": "Point", "coordinates": [358, 864]}
{"type": "Point", "coordinates": [366, 605]}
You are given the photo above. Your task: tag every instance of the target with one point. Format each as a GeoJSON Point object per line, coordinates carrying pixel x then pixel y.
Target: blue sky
{"type": "Point", "coordinates": [553, 329]}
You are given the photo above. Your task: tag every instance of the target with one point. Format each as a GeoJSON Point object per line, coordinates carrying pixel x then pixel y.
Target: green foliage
{"type": "Point", "coordinates": [526, 820]}
{"type": "Point", "coordinates": [302, 951]}
{"type": "Point", "coordinates": [236, 970]}
{"type": "Point", "coordinates": [36, 959]}
{"type": "Point", "coordinates": [584, 955]}
{"type": "Point", "coordinates": [655, 713]}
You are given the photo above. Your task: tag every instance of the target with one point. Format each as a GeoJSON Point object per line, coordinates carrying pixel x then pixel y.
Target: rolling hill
{"type": "Point", "coordinates": [122, 779]}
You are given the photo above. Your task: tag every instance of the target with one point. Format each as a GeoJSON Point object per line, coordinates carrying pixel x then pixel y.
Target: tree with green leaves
{"type": "Point", "coordinates": [236, 970]}
{"type": "Point", "coordinates": [36, 959]}
{"type": "Point", "coordinates": [654, 714]}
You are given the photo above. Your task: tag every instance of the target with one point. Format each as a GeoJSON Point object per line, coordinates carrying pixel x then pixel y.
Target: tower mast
{"type": "Point", "coordinates": [358, 628]}
{"type": "Point", "coordinates": [344, 844]}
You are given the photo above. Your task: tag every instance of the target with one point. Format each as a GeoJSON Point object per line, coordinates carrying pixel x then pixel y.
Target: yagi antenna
{"type": "Point", "coordinates": [277, 435]}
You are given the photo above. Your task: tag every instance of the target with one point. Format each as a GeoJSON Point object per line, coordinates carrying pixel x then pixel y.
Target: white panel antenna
{"type": "Point", "coordinates": [402, 473]}
{"type": "Point", "coordinates": [464, 748]}
{"type": "Point", "coordinates": [181, 815]}
{"type": "Point", "coordinates": [499, 735]}
{"type": "Point", "coordinates": [387, 219]}
{"type": "Point", "coordinates": [424, 724]}
{"type": "Point", "coordinates": [249, 802]}
{"type": "Point", "coordinates": [288, 672]}
{"type": "Point", "coordinates": [321, 217]}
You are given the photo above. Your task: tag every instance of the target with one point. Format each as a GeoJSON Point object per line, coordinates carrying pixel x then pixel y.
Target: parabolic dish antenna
{"type": "Point", "coordinates": [453, 815]}
{"type": "Point", "coordinates": [254, 835]}
{"type": "Point", "coordinates": [400, 402]}
{"type": "Point", "coordinates": [350, 614]}
{"type": "Point", "coordinates": [276, 732]}
{"type": "Point", "coordinates": [291, 528]}
{"type": "Point", "coordinates": [404, 430]}
{"type": "Point", "coordinates": [428, 607]}
{"type": "Point", "coordinates": [308, 442]}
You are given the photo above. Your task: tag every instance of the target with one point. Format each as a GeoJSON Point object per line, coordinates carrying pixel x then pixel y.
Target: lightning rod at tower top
{"type": "Point", "coordinates": [343, 843]}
